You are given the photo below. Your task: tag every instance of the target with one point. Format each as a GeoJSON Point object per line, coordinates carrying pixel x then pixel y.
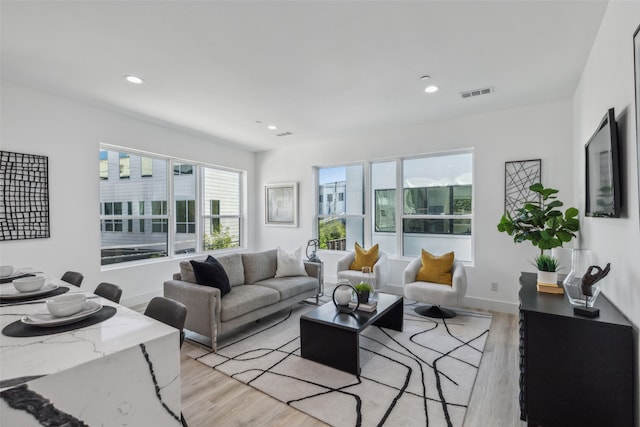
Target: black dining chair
{"type": "Point", "coordinates": [109, 291]}
{"type": "Point", "coordinates": [168, 311]}
{"type": "Point", "coordinates": [172, 313]}
{"type": "Point", "coordinates": [73, 277]}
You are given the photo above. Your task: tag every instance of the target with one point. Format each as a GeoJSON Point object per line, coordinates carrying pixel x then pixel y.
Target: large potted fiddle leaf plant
{"type": "Point", "coordinates": [542, 223]}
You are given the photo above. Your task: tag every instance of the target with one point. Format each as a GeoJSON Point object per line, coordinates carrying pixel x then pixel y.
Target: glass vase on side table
{"type": "Point", "coordinates": [581, 260]}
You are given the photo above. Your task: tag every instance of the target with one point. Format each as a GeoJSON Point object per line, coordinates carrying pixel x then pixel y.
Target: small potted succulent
{"type": "Point", "coordinates": [547, 269]}
{"type": "Point", "coordinates": [363, 289]}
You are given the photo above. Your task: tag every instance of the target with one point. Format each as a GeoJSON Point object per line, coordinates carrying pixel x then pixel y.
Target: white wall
{"type": "Point", "coordinates": [69, 133]}
{"type": "Point", "coordinates": [608, 81]}
{"type": "Point", "coordinates": [538, 131]}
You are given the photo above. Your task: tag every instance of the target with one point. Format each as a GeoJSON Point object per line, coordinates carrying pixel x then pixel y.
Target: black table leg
{"type": "Point", "coordinates": [393, 319]}
{"type": "Point", "coordinates": [330, 346]}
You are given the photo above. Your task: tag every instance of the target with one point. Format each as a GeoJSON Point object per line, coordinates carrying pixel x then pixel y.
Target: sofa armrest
{"type": "Point", "coordinates": [203, 306]}
{"type": "Point", "coordinates": [345, 262]}
{"type": "Point", "coordinates": [312, 268]}
{"type": "Point", "coordinates": [381, 270]}
{"type": "Point", "coordinates": [411, 271]}
{"type": "Point", "coordinates": [459, 280]}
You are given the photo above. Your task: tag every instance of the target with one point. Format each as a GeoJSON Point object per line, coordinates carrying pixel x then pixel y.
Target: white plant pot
{"type": "Point", "coordinates": [548, 277]}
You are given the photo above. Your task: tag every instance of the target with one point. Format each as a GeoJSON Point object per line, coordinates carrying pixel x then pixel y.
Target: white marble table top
{"type": "Point", "coordinates": [49, 354]}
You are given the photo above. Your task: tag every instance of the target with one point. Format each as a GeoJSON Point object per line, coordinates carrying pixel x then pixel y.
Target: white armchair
{"type": "Point", "coordinates": [435, 293]}
{"type": "Point", "coordinates": [380, 273]}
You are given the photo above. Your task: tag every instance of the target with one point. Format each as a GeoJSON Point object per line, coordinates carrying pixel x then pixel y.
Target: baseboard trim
{"type": "Point", "coordinates": [140, 298]}
{"type": "Point", "coordinates": [492, 305]}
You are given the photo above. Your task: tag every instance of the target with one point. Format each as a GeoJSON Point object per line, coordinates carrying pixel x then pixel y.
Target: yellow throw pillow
{"type": "Point", "coordinates": [436, 269]}
{"type": "Point", "coordinates": [364, 258]}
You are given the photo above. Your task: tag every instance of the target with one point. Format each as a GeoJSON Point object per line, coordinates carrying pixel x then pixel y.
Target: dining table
{"type": "Point", "coordinates": [114, 366]}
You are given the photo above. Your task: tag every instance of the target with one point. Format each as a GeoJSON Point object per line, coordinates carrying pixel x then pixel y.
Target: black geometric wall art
{"type": "Point", "coordinates": [518, 177]}
{"type": "Point", "coordinates": [24, 196]}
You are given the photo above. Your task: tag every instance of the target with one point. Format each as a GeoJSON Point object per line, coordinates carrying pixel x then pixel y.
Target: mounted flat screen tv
{"type": "Point", "coordinates": [603, 170]}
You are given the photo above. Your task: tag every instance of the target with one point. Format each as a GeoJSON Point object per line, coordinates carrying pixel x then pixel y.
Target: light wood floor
{"type": "Point", "coordinates": [210, 398]}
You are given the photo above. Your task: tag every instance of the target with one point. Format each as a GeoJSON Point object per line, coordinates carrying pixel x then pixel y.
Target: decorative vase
{"type": "Point", "coordinates": [367, 276]}
{"type": "Point", "coordinates": [580, 263]}
{"type": "Point", "coordinates": [548, 277]}
{"type": "Point", "coordinates": [342, 293]}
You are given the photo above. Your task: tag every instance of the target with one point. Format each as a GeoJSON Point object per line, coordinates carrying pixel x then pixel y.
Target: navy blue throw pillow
{"type": "Point", "coordinates": [211, 273]}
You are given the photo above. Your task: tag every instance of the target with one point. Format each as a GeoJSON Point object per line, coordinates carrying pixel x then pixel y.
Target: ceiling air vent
{"type": "Point", "coordinates": [476, 92]}
{"type": "Point", "coordinates": [284, 134]}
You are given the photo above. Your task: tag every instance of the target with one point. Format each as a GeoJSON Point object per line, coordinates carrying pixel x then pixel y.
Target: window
{"type": "Point", "coordinates": [125, 165]}
{"type": "Point", "coordinates": [340, 222]}
{"type": "Point", "coordinates": [127, 231]}
{"type": "Point", "coordinates": [415, 203]}
{"type": "Point", "coordinates": [159, 209]}
{"type": "Point", "coordinates": [140, 218]}
{"type": "Point", "coordinates": [104, 164]}
{"type": "Point", "coordinates": [184, 193]}
{"type": "Point", "coordinates": [385, 211]}
{"type": "Point", "coordinates": [182, 169]}
{"type": "Point", "coordinates": [221, 216]}
{"type": "Point", "coordinates": [437, 206]}
{"type": "Point", "coordinates": [141, 222]}
{"type": "Point", "coordinates": [146, 167]}
{"type": "Point", "coordinates": [214, 221]}
{"type": "Point", "coordinates": [185, 216]}
{"type": "Point", "coordinates": [384, 205]}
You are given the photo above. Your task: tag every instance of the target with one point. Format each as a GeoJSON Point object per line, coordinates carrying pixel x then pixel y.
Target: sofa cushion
{"type": "Point", "coordinates": [186, 272]}
{"type": "Point", "coordinates": [290, 263]}
{"type": "Point", "coordinates": [259, 265]}
{"type": "Point", "coordinates": [436, 269]}
{"type": "Point", "coordinates": [244, 299]}
{"type": "Point", "coordinates": [211, 273]}
{"type": "Point", "coordinates": [364, 257]}
{"type": "Point", "coordinates": [288, 287]}
{"type": "Point", "coordinates": [232, 264]}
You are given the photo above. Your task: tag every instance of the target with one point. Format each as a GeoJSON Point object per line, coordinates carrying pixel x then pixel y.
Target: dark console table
{"type": "Point", "coordinates": [574, 371]}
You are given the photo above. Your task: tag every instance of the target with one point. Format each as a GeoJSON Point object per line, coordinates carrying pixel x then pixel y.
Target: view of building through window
{"type": "Point", "coordinates": [135, 219]}
{"type": "Point", "coordinates": [434, 212]}
{"type": "Point", "coordinates": [340, 206]}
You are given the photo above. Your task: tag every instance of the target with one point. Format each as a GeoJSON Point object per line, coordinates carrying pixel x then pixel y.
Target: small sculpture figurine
{"type": "Point", "coordinates": [588, 280]}
{"type": "Point", "coordinates": [313, 244]}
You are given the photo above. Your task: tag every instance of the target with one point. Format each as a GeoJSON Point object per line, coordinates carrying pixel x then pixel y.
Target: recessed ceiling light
{"type": "Point", "coordinates": [431, 89]}
{"type": "Point", "coordinates": [425, 77]}
{"type": "Point", "coordinates": [272, 127]}
{"type": "Point", "coordinates": [134, 79]}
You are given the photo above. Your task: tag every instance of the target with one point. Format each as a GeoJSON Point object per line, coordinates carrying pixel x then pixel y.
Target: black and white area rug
{"type": "Point", "coordinates": [422, 376]}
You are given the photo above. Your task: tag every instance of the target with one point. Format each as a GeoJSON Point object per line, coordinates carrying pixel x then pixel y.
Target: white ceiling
{"type": "Point", "coordinates": [319, 69]}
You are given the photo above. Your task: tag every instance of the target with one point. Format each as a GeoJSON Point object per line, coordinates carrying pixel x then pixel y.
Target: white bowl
{"type": "Point", "coordinates": [29, 284]}
{"type": "Point", "coordinates": [66, 305]}
{"type": "Point", "coordinates": [6, 270]}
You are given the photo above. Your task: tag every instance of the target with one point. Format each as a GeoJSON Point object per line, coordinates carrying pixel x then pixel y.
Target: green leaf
{"type": "Point", "coordinates": [537, 187]}
{"type": "Point", "coordinates": [571, 213]}
{"type": "Point", "coordinates": [555, 204]}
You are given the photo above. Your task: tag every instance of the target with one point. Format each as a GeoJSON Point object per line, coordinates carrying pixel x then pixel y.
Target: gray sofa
{"type": "Point", "coordinates": [255, 293]}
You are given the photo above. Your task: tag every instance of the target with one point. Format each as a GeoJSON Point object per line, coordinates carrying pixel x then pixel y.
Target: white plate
{"type": "Point", "coordinates": [16, 273]}
{"type": "Point", "coordinates": [8, 291]}
{"type": "Point", "coordinates": [44, 318]}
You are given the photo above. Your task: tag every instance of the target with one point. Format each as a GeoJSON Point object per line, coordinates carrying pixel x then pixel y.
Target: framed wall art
{"type": "Point", "coordinates": [518, 177]}
{"type": "Point", "coordinates": [281, 204]}
{"type": "Point", "coordinates": [24, 196]}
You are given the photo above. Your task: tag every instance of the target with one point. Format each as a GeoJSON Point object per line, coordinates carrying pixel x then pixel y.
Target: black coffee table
{"type": "Point", "coordinates": [333, 338]}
